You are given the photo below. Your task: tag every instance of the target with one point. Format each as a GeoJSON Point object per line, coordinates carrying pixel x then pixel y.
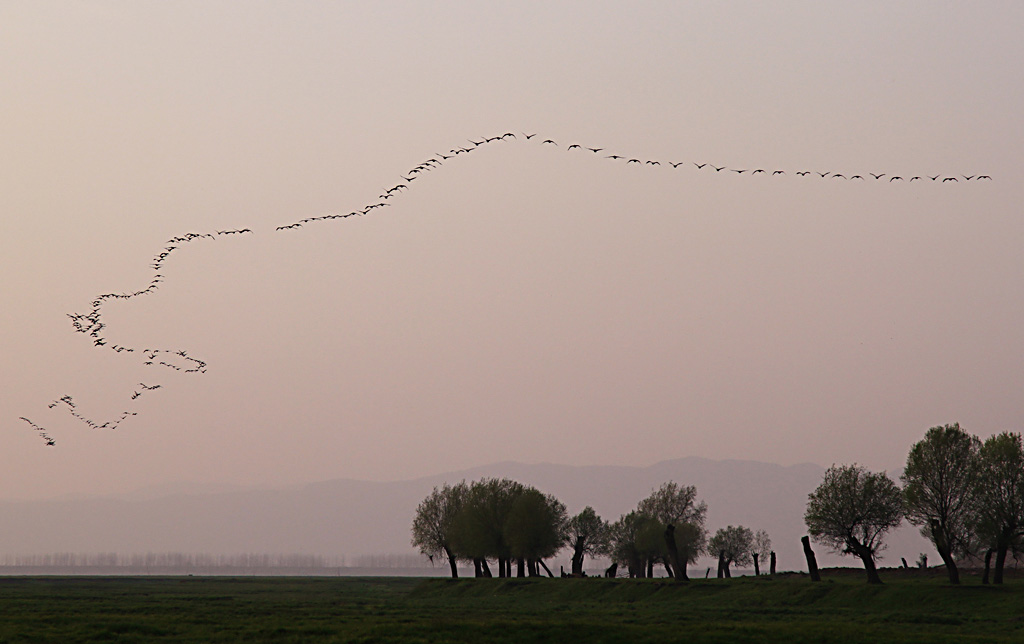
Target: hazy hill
{"type": "Point", "coordinates": [348, 517]}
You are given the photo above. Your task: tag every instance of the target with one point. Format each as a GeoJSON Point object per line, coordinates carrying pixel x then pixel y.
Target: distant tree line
{"type": "Point", "coordinates": [508, 523]}
{"type": "Point", "coordinates": [177, 560]}
{"type": "Point", "coordinates": [967, 497]}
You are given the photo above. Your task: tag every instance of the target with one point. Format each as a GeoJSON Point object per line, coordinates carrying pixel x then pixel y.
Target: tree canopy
{"type": "Point", "coordinates": [939, 482]}
{"type": "Point", "coordinates": [851, 511]}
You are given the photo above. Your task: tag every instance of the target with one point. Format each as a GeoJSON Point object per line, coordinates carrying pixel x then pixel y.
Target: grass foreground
{"type": "Point", "coordinates": [789, 608]}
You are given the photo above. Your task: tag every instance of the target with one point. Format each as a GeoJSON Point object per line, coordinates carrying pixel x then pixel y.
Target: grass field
{"type": "Point", "coordinates": [791, 609]}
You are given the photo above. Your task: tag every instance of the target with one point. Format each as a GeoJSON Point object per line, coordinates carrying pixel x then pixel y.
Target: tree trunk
{"type": "Point", "coordinates": [869, 561]}
{"type": "Point", "coordinates": [988, 565]}
{"type": "Point", "coordinates": [520, 567]}
{"type": "Point", "coordinates": [478, 570]}
{"type": "Point", "coordinates": [650, 568]}
{"type": "Point", "coordinates": [577, 559]}
{"type": "Point", "coordinates": [812, 563]}
{"type": "Point", "coordinates": [684, 559]}
{"type": "Point", "coordinates": [452, 562]}
{"type": "Point", "coordinates": [939, 539]}
{"type": "Point", "coordinates": [1002, 545]}
{"type": "Point", "coordinates": [721, 564]}
{"type": "Point", "coordinates": [545, 567]}
{"type": "Point", "coordinates": [678, 570]}
{"type": "Point", "coordinates": [757, 569]}
{"type": "Point", "coordinates": [771, 568]}
{"type": "Point", "coordinates": [485, 567]}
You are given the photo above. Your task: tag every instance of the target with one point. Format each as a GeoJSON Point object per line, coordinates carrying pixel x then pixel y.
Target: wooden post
{"type": "Point", "coordinates": [812, 563]}
{"type": "Point", "coordinates": [771, 569]}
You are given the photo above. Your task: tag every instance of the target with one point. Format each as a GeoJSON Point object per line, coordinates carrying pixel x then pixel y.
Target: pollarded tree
{"type": "Point", "coordinates": [478, 532]}
{"type": "Point", "coordinates": [733, 546]}
{"type": "Point", "coordinates": [586, 534]}
{"type": "Point", "coordinates": [535, 528]}
{"type": "Point", "coordinates": [432, 527]}
{"type": "Point", "coordinates": [939, 481]}
{"type": "Point", "coordinates": [851, 510]}
{"type": "Point", "coordinates": [1000, 495]}
{"type": "Point", "coordinates": [762, 549]}
{"type": "Point", "coordinates": [676, 505]}
{"type": "Point", "coordinates": [634, 542]}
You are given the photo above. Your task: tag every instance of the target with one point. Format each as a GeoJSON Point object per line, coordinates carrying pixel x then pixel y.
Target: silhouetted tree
{"type": "Point", "coordinates": [734, 545]}
{"type": "Point", "coordinates": [535, 527]}
{"type": "Point", "coordinates": [633, 541]}
{"type": "Point", "coordinates": [676, 505]}
{"type": "Point", "coordinates": [586, 534]}
{"type": "Point", "coordinates": [761, 549]}
{"type": "Point", "coordinates": [478, 531]}
{"type": "Point", "coordinates": [1000, 496]}
{"type": "Point", "coordinates": [939, 481]}
{"type": "Point", "coordinates": [851, 510]}
{"type": "Point", "coordinates": [432, 527]}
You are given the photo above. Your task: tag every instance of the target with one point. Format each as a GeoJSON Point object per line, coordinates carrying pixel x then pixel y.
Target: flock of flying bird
{"type": "Point", "coordinates": [92, 326]}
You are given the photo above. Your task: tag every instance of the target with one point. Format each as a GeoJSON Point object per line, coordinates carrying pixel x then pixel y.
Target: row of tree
{"type": "Point", "coordinates": [504, 521]}
{"type": "Point", "coordinates": [966, 495]}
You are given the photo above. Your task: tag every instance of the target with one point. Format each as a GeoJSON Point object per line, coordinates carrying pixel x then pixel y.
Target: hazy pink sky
{"type": "Point", "coordinates": [524, 302]}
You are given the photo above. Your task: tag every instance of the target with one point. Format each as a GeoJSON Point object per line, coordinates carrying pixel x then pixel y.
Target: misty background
{"type": "Point", "coordinates": [523, 304]}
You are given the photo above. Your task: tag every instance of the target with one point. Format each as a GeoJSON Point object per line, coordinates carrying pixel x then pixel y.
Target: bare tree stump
{"type": "Point", "coordinates": [812, 563]}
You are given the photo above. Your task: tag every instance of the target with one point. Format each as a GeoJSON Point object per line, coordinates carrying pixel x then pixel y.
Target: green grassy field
{"type": "Point", "coordinates": [789, 609]}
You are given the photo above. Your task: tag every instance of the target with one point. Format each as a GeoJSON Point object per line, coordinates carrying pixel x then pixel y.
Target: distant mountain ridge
{"type": "Point", "coordinates": [351, 517]}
